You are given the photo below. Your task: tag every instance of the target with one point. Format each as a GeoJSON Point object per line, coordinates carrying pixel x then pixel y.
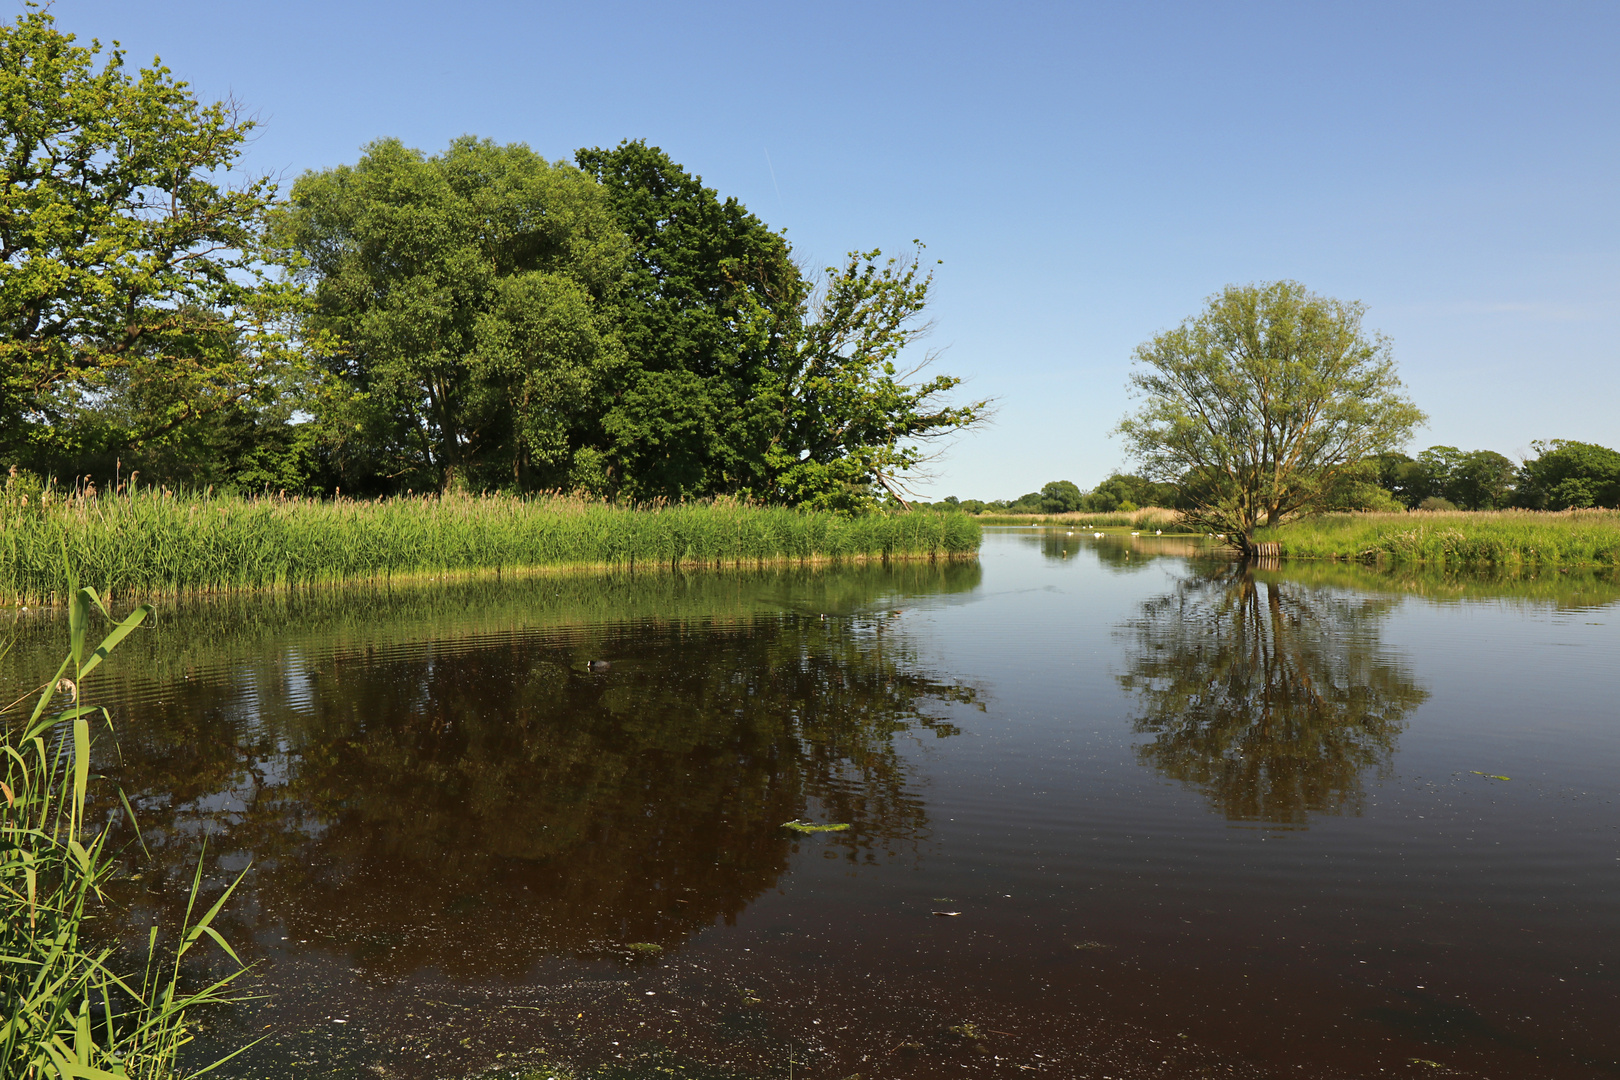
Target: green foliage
{"type": "Point", "coordinates": [133, 300]}
{"type": "Point", "coordinates": [850, 420]}
{"type": "Point", "coordinates": [616, 329]}
{"type": "Point", "coordinates": [1503, 538]}
{"type": "Point", "coordinates": [1567, 474]}
{"type": "Point", "coordinates": [1123, 492]}
{"type": "Point", "coordinates": [466, 290]}
{"type": "Point", "coordinates": [711, 306]}
{"type": "Point", "coordinates": [1060, 497]}
{"type": "Point", "coordinates": [1256, 407]}
{"type": "Point", "coordinates": [152, 543]}
{"type": "Point", "coordinates": [72, 1007]}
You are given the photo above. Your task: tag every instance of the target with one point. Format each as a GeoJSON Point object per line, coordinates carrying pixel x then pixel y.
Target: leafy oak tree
{"type": "Point", "coordinates": [1256, 407]}
{"type": "Point", "coordinates": [134, 299]}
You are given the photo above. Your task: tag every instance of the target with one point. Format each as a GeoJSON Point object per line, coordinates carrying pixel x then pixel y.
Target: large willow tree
{"type": "Point", "coordinates": [1262, 406]}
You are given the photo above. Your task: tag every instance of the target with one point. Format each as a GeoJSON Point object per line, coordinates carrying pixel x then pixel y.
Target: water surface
{"type": "Point", "coordinates": [1190, 819]}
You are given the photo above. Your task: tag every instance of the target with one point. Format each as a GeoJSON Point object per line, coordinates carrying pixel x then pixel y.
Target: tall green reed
{"type": "Point", "coordinates": [155, 543]}
{"type": "Point", "coordinates": [73, 1006]}
{"type": "Point", "coordinates": [1460, 538]}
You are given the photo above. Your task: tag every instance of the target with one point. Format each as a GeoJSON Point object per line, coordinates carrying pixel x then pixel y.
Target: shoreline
{"type": "Point", "coordinates": [158, 544]}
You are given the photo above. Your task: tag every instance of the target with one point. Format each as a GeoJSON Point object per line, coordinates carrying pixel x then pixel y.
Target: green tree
{"type": "Point", "coordinates": [742, 377]}
{"type": "Point", "coordinates": [125, 259]}
{"type": "Point", "coordinates": [470, 294]}
{"type": "Point", "coordinates": [850, 420]}
{"type": "Point", "coordinates": [1255, 407]}
{"type": "Point", "coordinates": [1060, 497]}
{"type": "Point", "coordinates": [1566, 473]}
{"type": "Point", "coordinates": [1123, 491]}
{"type": "Point", "coordinates": [711, 306]}
{"type": "Point", "coordinates": [1483, 480]}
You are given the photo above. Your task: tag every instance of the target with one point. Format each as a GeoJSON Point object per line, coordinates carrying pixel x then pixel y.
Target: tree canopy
{"type": "Point", "coordinates": [1256, 407]}
{"type": "Point", "coordinates": [615, 327]}
{"type": "Point", "coordinates": [134, 302]}
{"type": "Point", "coordinates": [1566, 474]}
{"type": "Point", "coordinates": [465, 294]}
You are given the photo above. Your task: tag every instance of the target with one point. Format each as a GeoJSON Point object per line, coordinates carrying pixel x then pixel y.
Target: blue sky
{"type": "Point", "coordinates": [1089, 173]}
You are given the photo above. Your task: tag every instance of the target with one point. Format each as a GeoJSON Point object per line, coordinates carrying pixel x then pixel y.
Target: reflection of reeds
{"type": "Point", "coordinates": [1586, 587]}
{"type": "Point", "coordinates": [158, 543]}
{"type": "Point", "coordinates": [1504, 537]}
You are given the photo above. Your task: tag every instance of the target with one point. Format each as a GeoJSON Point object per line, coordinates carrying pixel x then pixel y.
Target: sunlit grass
{"type": "Point", "coordinates": [1507, 537]}
{"type": "Point", "coordinates": [1152, 517]}
{"type": "Point", "coordinates": [160, 544]}
{"type": "Point", "coordinates": [71, 1005]}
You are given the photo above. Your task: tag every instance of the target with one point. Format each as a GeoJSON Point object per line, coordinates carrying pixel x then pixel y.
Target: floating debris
{"type": "Point", "coordinates": [948, 914]}
{"type": "Point", "coordinates": [812, 827]}
{"type": "Point", "coordinates": [1489, 776]}
{"type": "Point", "coordinates": [645, 948]}
{"type": "Point", "coordinates": [599, 665]}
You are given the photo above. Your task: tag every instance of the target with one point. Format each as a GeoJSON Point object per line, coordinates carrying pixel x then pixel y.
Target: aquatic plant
{"type": "Point", "coordinates": [157, 543]}
{"type": "Point", "coordinates": [74, 1006]}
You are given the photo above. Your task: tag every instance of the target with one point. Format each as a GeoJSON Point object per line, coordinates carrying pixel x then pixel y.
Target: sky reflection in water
{"type": "Point", "coordinates": [1190, 814]}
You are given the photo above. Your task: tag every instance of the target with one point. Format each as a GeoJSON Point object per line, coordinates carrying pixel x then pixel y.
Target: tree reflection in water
{"type": "Point", "coordinates": [1273, 699]}
{"type": "Point", "coordinates": [471, 808]}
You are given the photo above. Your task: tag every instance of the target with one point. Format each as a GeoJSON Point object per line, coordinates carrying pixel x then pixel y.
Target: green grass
{"type": "Point", "coordinates": [1153, 517]}
{"type": "Point", "coordinates": [1499, 538]}
{"type": "Point", "coordinates": [157, 544]}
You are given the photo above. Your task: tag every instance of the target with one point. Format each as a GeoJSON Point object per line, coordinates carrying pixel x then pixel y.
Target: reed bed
{"type": "Point", "coordinates": [1148, 517]}
{"type": "Point", "coordinates": [73, 1005]}
{"type": "Point", "coordinates": [155, 543]}
{"type": "Point", "coordinates": [1488, 538]}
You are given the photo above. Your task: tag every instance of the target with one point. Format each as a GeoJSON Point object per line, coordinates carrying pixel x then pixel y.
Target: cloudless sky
{"type": "Point", "coordinates": [1089, 173]}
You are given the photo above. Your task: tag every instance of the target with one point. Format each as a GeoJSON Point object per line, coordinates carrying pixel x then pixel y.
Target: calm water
{"type": "Point", "coordinates": [1191, 821]}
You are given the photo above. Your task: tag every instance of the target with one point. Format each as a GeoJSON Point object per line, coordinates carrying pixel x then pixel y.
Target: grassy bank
{"type": "Point", "coordinates": [1149, 517]}
{"type": "Point", "coordinates": [1501, 538]}
{"type": "Point", "coordinates": [156, 544]}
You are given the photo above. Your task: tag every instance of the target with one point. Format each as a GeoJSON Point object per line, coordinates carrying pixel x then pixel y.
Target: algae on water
{"type": "Point", "coordinates": [806, 827]}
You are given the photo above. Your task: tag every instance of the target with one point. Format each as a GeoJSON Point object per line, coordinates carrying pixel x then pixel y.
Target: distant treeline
{"type": "Point", "coordinates": [1563, 475]}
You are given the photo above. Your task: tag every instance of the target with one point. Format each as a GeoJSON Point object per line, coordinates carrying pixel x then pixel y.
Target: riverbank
{"type": "Point", "coordinates": [153, 544]}
{"type": "Point", "coordinates": [1149, 517]}
{"type": "Point", "coordinates": [1486, 538]}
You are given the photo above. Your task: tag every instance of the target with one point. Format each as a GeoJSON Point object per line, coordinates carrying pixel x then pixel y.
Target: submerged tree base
{"type": "Point", "coordinates": [158, 544]}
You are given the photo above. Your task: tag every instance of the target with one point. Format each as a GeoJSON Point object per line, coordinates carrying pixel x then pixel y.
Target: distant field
{"type": "Point", "coordinates": [1507, 537]}
{"type": "Point", "coordinates": [157, 544]}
